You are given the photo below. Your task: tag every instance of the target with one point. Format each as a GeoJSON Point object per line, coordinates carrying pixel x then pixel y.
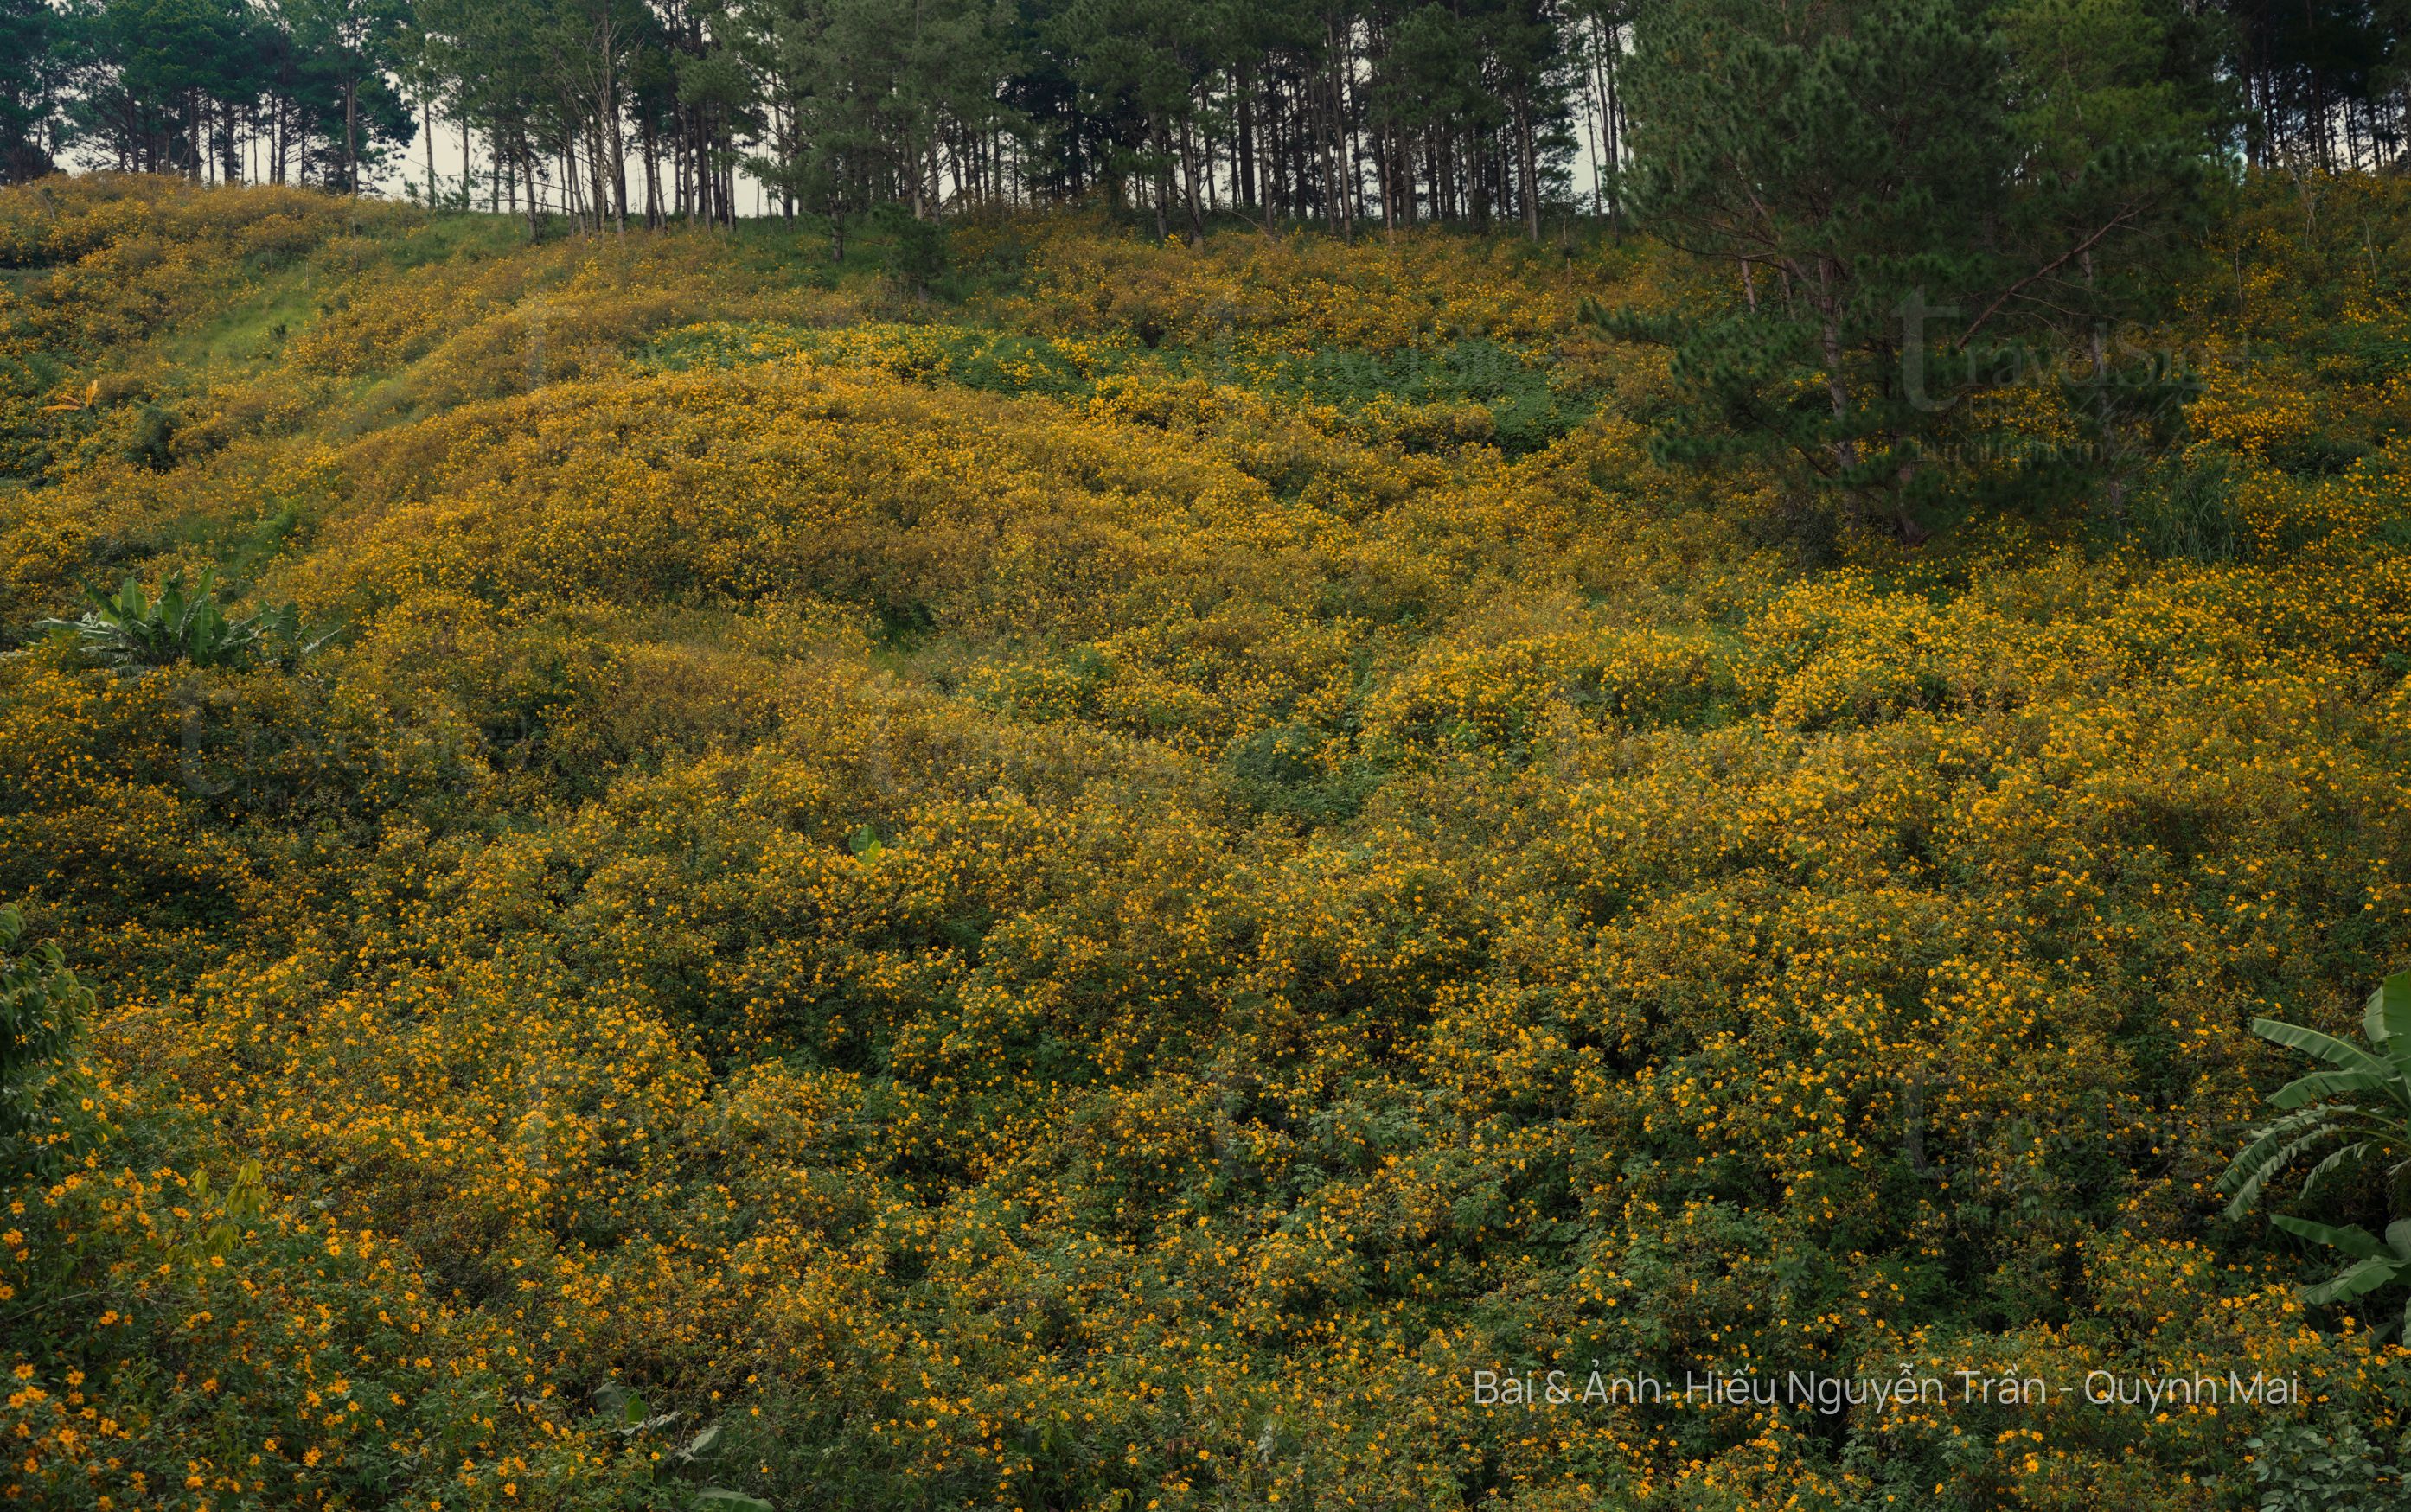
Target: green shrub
{"type": "Point", "coordinates": [152, 443]}
{"type": "Point", "coordinates": [2305, 1467]}
{"type": "Point", "coordinates": [917, 255]}
{"type": "Point", "coordinates": [2317, 455]}
{"type": "Point", "coordinates": [2186, 512]}
{"type": "Point", "coordinates": [42, 1010]}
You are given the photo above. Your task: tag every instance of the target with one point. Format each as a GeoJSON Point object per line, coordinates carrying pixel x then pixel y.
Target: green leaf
{"type": "Point", "coordinates": [2336, 1158]}
{"type": "Point", "coordinates": [2320, 1084]}
{"type": "Point", "coordinates": [2327, 1047]}
{"type": "Point", "coordinates": [2360, 1281]}
{"type": "Point", "coordinates": [2253, 1169]}
{"type": "Point", "coordinates": [721, 1499]}
{"type": "Point", "coordinates": [2357, 1242]}
{"type": "Point", "coordinates": [2267, 1138]}
{"type": "Point", "coordinates": [2387, 1017]}
{"type": "Point", "coordinates": [2387, 1020]}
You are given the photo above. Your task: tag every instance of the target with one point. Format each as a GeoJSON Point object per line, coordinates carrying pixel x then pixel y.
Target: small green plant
{"type": "Point", "coordinates": [42, 1009]}
{"type": "Point", "coordinates": [183, 623]}
{"type": "Point", "coordinates": [2359, 1109]}
{"type": "Point", "coordinates": [2330, 1467]}
{"type": "Point", "coordinates": [685, 1461]}
{"type": "Point", "coordinates": [223, 1219]}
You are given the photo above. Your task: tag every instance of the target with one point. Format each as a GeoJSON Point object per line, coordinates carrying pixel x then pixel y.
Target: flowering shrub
{"type": "Point", "coordinates": [1099, 897]}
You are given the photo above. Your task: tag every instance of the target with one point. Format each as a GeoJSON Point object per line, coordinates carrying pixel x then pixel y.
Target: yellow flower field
{"type": "Point", "coordinates": [1094, 894]}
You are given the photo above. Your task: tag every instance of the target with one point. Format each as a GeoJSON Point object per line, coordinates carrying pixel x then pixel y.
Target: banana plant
{"type": "Point", "coordinates": [183, 623]}
{"type": "Point", "coordinates": [2358, 1111]}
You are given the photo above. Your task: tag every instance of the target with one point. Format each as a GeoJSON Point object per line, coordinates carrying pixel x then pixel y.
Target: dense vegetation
{"type": "Point", "coordinates": [1506, 111]}
{"type": "Point", "coordinates": [1089, 879]}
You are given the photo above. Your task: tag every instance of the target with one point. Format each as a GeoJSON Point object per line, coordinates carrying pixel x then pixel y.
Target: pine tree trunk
{"type": "Point", "coordinates": [1837, 388]}
{"type": "Point", "coordinates": [1247, 147]}
{"type": "Point", "coordinates": [651, 147]}
{"type": "Point", "coordinates": [1527, 163]}
{"type": "Point", "coordinates": [527, 171]}
{"type": "Point", "coordinates": [1189, 167]}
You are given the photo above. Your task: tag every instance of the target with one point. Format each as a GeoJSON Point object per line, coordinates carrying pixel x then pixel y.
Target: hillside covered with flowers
{"type": "Point", "coordinates": [1095, 881]}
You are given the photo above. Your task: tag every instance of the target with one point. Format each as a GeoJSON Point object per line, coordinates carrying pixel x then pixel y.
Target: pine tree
{"type": "Point", "coordinates": [1893, 220]}
{"type": "Point", "coordinates": [30, 68]}
{"type": "Point", "coordinates": [2117, 114]}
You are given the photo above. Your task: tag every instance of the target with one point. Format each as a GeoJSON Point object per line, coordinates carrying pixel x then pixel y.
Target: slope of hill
{"type": "Point", "coordinates": [1093, 886]}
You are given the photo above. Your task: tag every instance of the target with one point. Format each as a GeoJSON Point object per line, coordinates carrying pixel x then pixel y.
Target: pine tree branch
{"type": "Point", "coordinates": [2125, 215]}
